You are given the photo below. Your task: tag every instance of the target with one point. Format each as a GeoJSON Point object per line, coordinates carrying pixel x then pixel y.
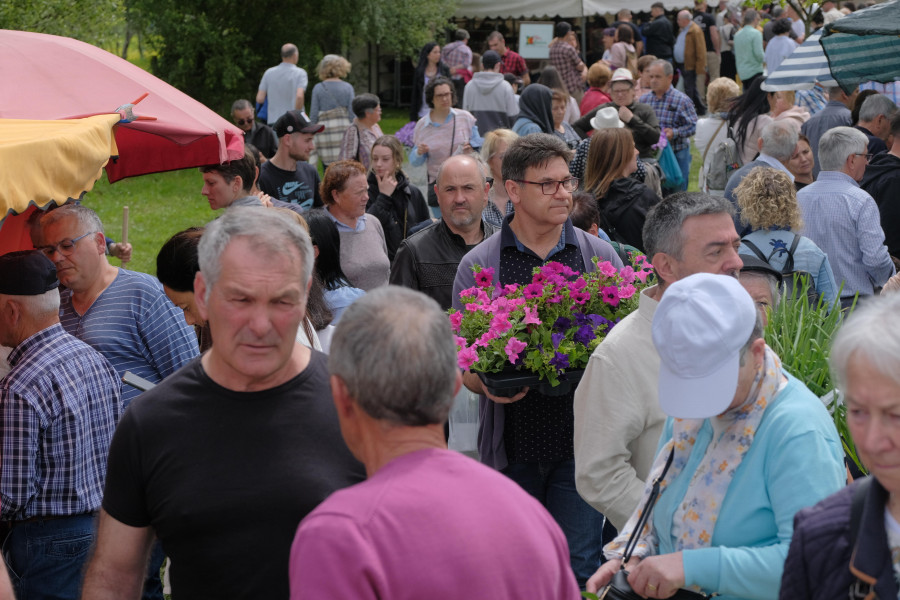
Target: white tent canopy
{"type": "Point", "coordinates": [530, 9]}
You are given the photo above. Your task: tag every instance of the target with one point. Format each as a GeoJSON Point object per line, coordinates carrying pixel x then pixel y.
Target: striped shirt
{"type": "Point", "coordinates": [457, 55]}
{"type": "Point", "coordinates": [842, 219]}
{"type": "Point", "coordinates": [60, 404]}
{"type": "Point", "coordinates": [135, 327]}
{"type": "Point", "coordinates": [675, 111]}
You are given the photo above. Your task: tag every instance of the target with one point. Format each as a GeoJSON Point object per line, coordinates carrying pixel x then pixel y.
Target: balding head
{"type": "Point", "coordinates": [684, 18]}
{"type": "Point", "coordinates": [289, 53]}
{"type": "Point", "coordinates": [462, 192]}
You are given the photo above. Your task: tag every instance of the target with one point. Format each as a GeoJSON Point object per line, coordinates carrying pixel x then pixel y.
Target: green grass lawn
{"type": "Point", "coordinates": [163, 204]}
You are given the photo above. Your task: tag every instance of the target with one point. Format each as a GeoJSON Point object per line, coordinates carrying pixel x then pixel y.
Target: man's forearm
{"type": "Point", "coordinates": [104, 583]}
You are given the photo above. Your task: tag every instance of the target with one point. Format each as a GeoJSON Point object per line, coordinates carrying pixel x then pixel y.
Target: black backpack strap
{"type": "Point", "coordinates": [755, 250]}
{"type": "Point", "coordinates": [789, 262]}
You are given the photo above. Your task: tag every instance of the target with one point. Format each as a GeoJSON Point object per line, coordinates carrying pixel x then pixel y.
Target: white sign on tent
{"type": "Point", "coordinates": [534, 39]}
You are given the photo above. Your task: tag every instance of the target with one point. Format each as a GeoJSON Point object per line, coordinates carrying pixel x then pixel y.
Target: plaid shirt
{"type": "Point", "coordinates": [812, 100]}
{"type": "Point", "coordinates": [890, 89]}
{"type": "Point", "coordinates": [512, 62]}
{"type": "Point", "coordinates": [457, 54]}
{"type": "Point", "coordinates": [60, 404]}
{"type": "Point", "coordinates": [566, 60]}
{"type": "Point", "coordinates": [675, 111]}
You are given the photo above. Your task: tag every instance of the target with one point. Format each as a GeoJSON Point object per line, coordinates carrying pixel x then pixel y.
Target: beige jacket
{"type": "Point", "coordinates": [618, 421]}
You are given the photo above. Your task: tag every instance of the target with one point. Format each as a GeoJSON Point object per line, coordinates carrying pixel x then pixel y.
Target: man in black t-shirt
{"type": "Point", "coordinates": [288, 176]}
{"type": "Point", "coordinates": [707, 24]}
{"type": "Point", "coordinates": [223, 459]}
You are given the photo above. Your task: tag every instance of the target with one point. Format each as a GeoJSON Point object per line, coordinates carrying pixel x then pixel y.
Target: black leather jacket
{"type": "Point", "coordinates": [427, 260]}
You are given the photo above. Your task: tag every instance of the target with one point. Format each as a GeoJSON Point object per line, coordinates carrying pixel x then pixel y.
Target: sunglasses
{"type": "Point", "coordinates": [241, 122]}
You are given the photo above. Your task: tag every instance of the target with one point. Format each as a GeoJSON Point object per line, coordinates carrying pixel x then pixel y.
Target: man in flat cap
{"type": "Point", "coordinates": [59, 406]}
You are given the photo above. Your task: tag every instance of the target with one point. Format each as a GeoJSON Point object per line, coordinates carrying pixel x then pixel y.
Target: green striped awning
{"type": "Point", "coordinates": [865, 46]}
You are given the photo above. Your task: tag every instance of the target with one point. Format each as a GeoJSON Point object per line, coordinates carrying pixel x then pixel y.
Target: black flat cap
{"type": "Point", "coordinates": [26, 273]}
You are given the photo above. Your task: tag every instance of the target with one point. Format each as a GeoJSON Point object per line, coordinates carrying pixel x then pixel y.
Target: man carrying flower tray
{"type": "Point", "coordinates": [529, 436]}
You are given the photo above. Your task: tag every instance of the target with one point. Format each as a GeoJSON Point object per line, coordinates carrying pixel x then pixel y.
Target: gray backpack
{"type": "Point", "coordinates": [724, 159]}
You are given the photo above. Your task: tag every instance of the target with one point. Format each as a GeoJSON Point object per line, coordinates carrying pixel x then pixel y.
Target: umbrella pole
{"type": "Point", "coordinates": [124, 229]}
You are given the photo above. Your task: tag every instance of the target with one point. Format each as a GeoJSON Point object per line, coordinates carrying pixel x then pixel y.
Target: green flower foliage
{"type": "Point", "coordinates": [801, 334]}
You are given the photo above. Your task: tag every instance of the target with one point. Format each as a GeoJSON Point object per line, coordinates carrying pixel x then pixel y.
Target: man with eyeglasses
{"type": "Point", "coordinates": [637, 116]}
{"type": "Point", "coordinates": [842, 218]}
{"type": "Point", "coordinates": [58, 409]}
{"type": "Point", "coordinates": [123, 314]}
{"type": "Point", "coordinates": [259, 134]}
{"type": "Point", "coordinates": [528, 437]}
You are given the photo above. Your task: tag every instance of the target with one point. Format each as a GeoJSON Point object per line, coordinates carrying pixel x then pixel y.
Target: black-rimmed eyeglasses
{"type": "Point", "coordinates": [548, 188]}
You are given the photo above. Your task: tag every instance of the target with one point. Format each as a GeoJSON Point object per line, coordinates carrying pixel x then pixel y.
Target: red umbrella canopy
{"type": "Point", "coordinates": [52, 77]}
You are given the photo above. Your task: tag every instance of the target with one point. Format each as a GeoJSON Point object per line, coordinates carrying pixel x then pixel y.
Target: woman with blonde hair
{"type": "Point", "coordinates": [768, 203]}
{"type": "Point", "coordinates": [494, 149]}
{"type": "Point", "coordinates": [332, 106]}
{"type": "Point", "coordinates": [622, 200]}
{"type": "Point", "coordinates": [782, 108]}
{"type": "Point", "coordinates": [398, 205]}
{"type": "Point", "coordinates": [712, 129]}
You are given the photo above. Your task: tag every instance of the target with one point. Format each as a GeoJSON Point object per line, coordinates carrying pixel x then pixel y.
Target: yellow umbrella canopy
{"type": "Point", "coordinates": [52, 161]}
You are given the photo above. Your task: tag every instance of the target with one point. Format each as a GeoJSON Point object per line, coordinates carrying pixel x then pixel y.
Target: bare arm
{"type": "Point", "coordinates": [714, 36]}
{"type": "Point", "coordinates": [6, 591]}
{"type": "Point", "coordinates": [260, 96]}
{"type": "Point", "coordinates": [526, 79]}
{"type": "Point", "coordinates": [116, 570]}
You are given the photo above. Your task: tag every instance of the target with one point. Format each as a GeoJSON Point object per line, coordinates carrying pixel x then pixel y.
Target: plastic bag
{"type": "Point", "coordinates": [464, 422]}
{"type": "Point", "coordinates": [671, 169]}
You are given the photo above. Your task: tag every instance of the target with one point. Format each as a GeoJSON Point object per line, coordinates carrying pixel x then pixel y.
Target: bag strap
{"type": "Point", "coordinates": [645, 515]}
{"type": "Point", "coordinates": [789, 263]}
{"type": "Point", "coordinates": [358, 143]}
{"type": "Point", "coordinates": [859, 589]}
{"type": "Point", "coordinates": [755, 250]}
{"type": "Point", "coordinates": [709, 145]}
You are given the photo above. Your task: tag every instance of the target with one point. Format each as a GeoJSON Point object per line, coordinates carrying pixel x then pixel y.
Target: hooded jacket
{"type": "Point", "coordinates": [400, 214]}
{"type": "Point", "coordinates": [535, 110]}
{"type": "Point", "coordinates": [882, 181]}
{"type": "Point", "coordinates": [491, 100]}
{"type": "Point", "coordinates": [623, 210]}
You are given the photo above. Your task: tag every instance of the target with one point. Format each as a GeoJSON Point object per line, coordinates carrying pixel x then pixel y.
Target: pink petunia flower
{"type": "Point", "coordinates": [456, 321]}
{"type": "Point", "coordinates": [642, 275]}
{"type": "Point", "coordinates": [513, 347]}
{"type": "Point", "coordinates": [460, 342]}
{"type": "Point", "coordinates": [577, 285]}
{"type": "Point", "coordinates": [627, 274]}
{"type": "Point", "coordinates": [606, 268]}
{"type": "Point", "coordinates": [533, 290]}
{"type": "Point", "coordinates": [500, 324]}
{"type": "Point", "coordinates": [467, 357]}
{"type": "Point", "coordinates": [486, 338]}
{"type": "Point", "coordinates": [626, 291]}
{"type": "Point", "coordinates": [580, 297]}
{"type": "Point", "coordinates": [484, 277]}
{"type": "Point", "coordinates": [610, 295]}
{"type": "Point", "coordinates": [531, 316]}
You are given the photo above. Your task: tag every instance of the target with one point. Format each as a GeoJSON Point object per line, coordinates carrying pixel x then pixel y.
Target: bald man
{"type": "Point", "coordinates": [284, 85]}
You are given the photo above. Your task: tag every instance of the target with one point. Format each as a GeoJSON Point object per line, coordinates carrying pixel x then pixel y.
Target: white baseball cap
{"type": "Point", "coordinates": [622, 74]}
{"type": "Point", "coordinates": [699, 328]}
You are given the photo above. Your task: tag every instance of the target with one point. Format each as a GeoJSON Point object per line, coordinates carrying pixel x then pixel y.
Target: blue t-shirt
{"type": "Point", "coordinates": [135, 327]}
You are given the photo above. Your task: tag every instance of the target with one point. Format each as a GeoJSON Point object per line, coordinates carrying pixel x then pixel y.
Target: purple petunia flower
{"type": "Point", "coordinates": [560, 361]}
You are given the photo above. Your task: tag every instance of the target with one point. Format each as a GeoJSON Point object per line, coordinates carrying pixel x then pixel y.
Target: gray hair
{"type": "Point", "coordinates": [267, 230]}
{"type": "Point", "coordinates": [242, 104]}
{"type": "Point", "coordinates": [749, 16]}
{"type": "Point", "coordinates": [875, 105]}
{"type": "Point", "coordinates": [461, 34]}
{"type": "Point", "coordinates": [496, 35]}
{"type": "Point", "coordinates": [755, 334]}
{"type": "Point", "coordinates": [872, 333]}
{"type": "Point", "coordinates": [663, 227]}
{"type": "Point", "coordinates": [779, 140]}
{"type": "Point", "coordinates": [38, 306]}
{"type": "Point", "coordinates": [394, 351]}
{"type": "Point", "coordinates": [666, 66]}
{"type": "Point", "coordinates": [86, 217]}
{"type": "Point", "coordinates": [837, 144]}
{"type": "Point", "coordinates": [535, 150]}
{"type": "Point", "coordinates": [770, 280]}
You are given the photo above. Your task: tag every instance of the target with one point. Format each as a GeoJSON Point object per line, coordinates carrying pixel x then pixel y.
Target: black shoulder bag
{"type": "Point", "coordinates": [619, 588]}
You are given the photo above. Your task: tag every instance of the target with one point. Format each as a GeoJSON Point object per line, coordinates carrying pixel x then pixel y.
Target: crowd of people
{"type": "Point", "coordinates": [288, 374]}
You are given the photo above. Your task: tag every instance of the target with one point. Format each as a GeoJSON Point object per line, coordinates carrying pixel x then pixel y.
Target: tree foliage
{"type": "Point", "coordinates": [98, 22]}
{"type": "Point", "coordinates": [217, 51]}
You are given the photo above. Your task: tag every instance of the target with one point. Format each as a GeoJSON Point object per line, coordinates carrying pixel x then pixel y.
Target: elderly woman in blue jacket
{"type": "Point", "coordinates": [833, 554]}
{"type": "Point", "coordinates": [749, 446]}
